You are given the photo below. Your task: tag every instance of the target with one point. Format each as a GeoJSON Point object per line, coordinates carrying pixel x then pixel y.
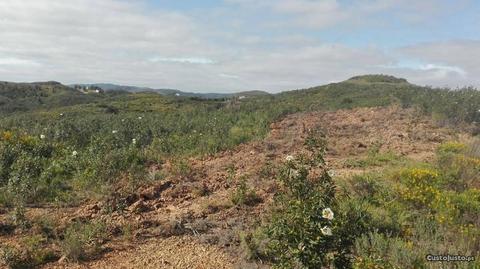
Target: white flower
{"type": "Point", "coordinates": [327, 213]}
{"type": "Point", "coordinates": [139, 118]}
{"type": "Point", "coordinates": [42, 136]}
{"type": "Point", "coordinates": [134, 141]}
{"type": "Point", "coordinates": [326, 231]}
{"type": "Point", "coordinates": [114, 131]}
{"type": "Point", "coordinates": [74, 153]}
{"type": "Point", "coordinates": [289, 158]}
{"type": "Point", "coordinates": [61, 114]}
{"type": "Point", "coordinates": [331, 173]}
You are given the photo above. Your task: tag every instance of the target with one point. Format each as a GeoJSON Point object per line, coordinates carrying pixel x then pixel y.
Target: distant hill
{"type": "Point", "coordinates": [377, 78]}
{"type": "Point", "coordinates": [16, 97]}
{"type": "Point", "coordinates": [171, 92]}
{"type": "Point", "coordinates": [28, 96]}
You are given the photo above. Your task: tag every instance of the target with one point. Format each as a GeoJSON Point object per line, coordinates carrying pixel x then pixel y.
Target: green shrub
{"type": "Point", "coordinates": [182, 168]}
{"type": "Point", "coordinates": [32, 253]}
{"type": "Point", "coordinates": [243, 195]}
{"type": "Point", "coordinates": [376, 250]}
{"type": "Point", "coordinates": [254, 245]}
{"type": "Point", "coordinates": [302, 233]}
{"type": "Point", "coordinates": [374, 158]}
{"type": "Point", "coordinates": [82, 240]}
{"type": "Point", "coordinates": [11, 257]}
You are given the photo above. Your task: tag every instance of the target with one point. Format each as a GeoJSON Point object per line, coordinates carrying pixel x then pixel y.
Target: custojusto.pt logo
{"type": "Point", "coordinates": [449, 258]}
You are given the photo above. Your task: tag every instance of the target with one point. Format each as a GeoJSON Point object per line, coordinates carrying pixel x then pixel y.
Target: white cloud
{"type": "Point", "coordinates": [229, 76]}
{"type": "Point", "coordinates": [85, 40]}
{"type": "Point", "coordinates": [129, 43]}
{"type": "Point", "coordinates": [453, 63]}
{"type": "Point", "coordinates": [320, 14]}
{"type": "Point", "coordinates": [187, 60]}
{"type": "Point", "coordinates": [10, 61]}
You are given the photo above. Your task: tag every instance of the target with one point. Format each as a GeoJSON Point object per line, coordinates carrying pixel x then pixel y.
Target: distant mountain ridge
{"type": "Point", "coordinates": [17, 97]}
{"type": "Point", "coordinates": [28, 96]}
{"type": "Point", "coordinates": [171, 92]}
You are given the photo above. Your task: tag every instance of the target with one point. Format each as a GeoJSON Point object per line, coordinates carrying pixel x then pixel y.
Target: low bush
{"type": "Point", "coordinates": [376, 250]}
{"type": "Point", "coordinates": [243, 195]}
{"type": "Point", "coordinates": [32, 252]}
{"type": "Point", "coordinates": [82, 240]}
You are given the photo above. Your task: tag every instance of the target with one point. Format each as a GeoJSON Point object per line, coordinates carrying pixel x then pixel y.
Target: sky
{"type": "Point", "coordinates": [238, 45]}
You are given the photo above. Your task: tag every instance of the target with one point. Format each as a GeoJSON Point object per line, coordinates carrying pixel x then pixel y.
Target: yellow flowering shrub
{"type": "Point", "coordinates": [444, 207]}
{"type": "Point", "coordinates": [451, 147]}
{"type": "Point", "coordinates": [6, 136]}
{"type": "Point", "coordinates": [16, 138]}
{"type": "Point", "coordinates": [460, 171]}
{"type": "Point", "coordinates": [419, 186]}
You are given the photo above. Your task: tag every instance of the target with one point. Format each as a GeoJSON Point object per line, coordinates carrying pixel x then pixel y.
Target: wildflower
{"type": "Point", "coordinates": [331, 173]}
{"type": "Point", "coordinates": [139, 118]}
{"type": "Point", "coordinates": [134, 141]}
{"type": "Point", "coordinates": [289, 158]}
{"type": "Point", "coordinates": [327, 213]}
{"type": "Point", "coordinates": [74, 153]}
{"type": "Point", "coordinates": [61, 114]}
{"type": "Point", "coordinates": [294, 173]}
{"type": "Point", "coordinates": [42, 136]}
{"type": "Point", "coordinates": [326, 231]}
{"type": "Point", "coordinates": [114, 131]}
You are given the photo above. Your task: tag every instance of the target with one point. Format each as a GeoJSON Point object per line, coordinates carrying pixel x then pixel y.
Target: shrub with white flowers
{"type": "Point", "coordinates": [327, 213]}
{"type": "Point", "coordinates": [303, 232]}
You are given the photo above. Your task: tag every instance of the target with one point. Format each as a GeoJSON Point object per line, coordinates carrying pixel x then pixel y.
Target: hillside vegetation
{"type": "Point", "coordinates": [17, 97]}
{"type": "Point", "coordinates": [63, 148]}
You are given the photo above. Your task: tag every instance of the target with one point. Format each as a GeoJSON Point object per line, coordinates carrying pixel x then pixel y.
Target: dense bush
{"type": "Point", "coordinates": [310, 229]}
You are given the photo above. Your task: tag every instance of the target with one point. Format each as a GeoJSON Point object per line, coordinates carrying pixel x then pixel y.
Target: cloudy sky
{"type": "Point", "coordinates": [234, 45]}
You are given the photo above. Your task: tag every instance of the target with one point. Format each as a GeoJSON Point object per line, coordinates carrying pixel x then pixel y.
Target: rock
{"type": "Point", "coordinates": [362, 145]}
{"type": "Point", "coordinates": [154, 191]}
{"type": "Point", "coordinates": [63, 259]}
{"type": "Point", "coordinates": [139, 207]}
{"type": "Point", "coordinates": [93, 208]}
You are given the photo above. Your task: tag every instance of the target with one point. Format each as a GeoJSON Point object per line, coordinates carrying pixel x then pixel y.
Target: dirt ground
{"type": "Point", "coordinates": [187, 220]}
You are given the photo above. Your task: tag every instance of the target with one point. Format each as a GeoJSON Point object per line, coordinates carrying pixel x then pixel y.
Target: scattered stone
{"type": "Point", "coordinates": [155, 191]}
{"type": "Point", "coordinates": [63, 259]}
{"type": "Point", "coordinates": [139, 207]}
